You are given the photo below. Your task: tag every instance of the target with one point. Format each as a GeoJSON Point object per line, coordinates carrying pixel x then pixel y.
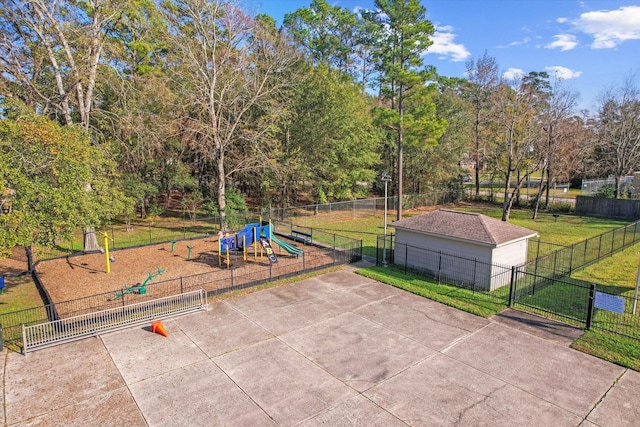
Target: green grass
{"type": "Point", "coordinates": [366, 229]}
{"type": "Point", "coordinates": [567, 301]}
{"type": "Point", "coordinates": [565, 230]}
{"type": "Point", "coordinates": [614, 348]}
{"type": "Point", "coordinates": [479, 304]}
{"type": "Point", "coordinates": [619, 270]}
{"type": "Point", "coordinates": [20, 293]}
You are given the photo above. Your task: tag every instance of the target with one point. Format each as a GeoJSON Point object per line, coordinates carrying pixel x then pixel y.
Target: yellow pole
{"type": "Point", "coordinates": [106, 251]}
{"type": "Point", "coordinates": [219, 251]}
{"type": "Point", "coordinates": [244, 247]}
{"type": "Point", "coordinates": [228, 261]}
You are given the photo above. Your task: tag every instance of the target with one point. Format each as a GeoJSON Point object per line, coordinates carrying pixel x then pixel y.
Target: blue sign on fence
{"type": "Point", "coordinates": [609, 302]}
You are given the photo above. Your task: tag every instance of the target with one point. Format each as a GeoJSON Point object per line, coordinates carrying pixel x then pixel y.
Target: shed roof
{"type": "Point", "coordinates": [465, 226]}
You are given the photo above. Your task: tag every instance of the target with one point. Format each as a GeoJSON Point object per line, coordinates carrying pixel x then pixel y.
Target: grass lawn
{"type": "Point", "coordinates": [614, 348]}
{"type": "Point", "coordinates": [565, 230]}
{"type": "Point", "coordinates": [480, 304]}
{"type": "Point", "coordinates": [20, 293]}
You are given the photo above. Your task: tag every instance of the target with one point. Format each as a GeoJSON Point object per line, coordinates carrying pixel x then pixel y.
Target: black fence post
{"type": "Point", "coordinates": [599, 247]}
{"type": "Point", "coordinates": [571, 260]}
{"type": "Point", "coordinates": [512, 286]}
{"type": "Point", "coordinates": [475, 271]}
{"type": "Point", "coordinates": [584, 257]}
{"type": "Point", "coordinates": [613, 241]}
{"type": "Point", "coordinates": [181, 291]}
{"type": "Point", "coordinates": [393, 253]}
{"type": "Point", "coordinates": [406, 255]}
{"type": "Point", "coordinates": [439, 264]}
{"type": "Point", "coordinates": [592, 298]}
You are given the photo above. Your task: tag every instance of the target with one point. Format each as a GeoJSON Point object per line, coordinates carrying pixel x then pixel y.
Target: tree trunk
{"type": "Point", "coordinates": [222, 200]}
{"type": "Point", "coordinates": [91, 241]}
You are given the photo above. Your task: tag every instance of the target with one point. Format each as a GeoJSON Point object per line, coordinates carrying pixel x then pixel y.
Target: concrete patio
{"type": "Point", "coordinates": [337, 349]}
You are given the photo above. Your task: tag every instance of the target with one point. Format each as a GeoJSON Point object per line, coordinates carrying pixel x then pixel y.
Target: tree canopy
{"type": "Point", "coordinates": [202, 97]}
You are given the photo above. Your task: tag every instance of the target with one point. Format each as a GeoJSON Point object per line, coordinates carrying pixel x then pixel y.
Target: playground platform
{"type": "Point", "coordinates": [336, 349]}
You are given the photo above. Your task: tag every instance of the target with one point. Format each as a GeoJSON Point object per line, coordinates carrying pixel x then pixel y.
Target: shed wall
{"type": "Point", "coordinates": [446, 258]}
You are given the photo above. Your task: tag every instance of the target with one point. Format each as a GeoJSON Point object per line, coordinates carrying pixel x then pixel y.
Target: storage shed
{"type": "Point", "coordinates": [461, 247]}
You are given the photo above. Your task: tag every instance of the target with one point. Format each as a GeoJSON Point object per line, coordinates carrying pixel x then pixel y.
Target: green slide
{"type": "Point", "coordinates": [287, 246]}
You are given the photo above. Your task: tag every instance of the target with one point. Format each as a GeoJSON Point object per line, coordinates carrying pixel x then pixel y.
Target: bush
{"type": "Point", "coordinates": [561, 207]}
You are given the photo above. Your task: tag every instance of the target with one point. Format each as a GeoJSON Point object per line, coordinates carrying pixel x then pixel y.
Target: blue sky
{"type": "Point", "coordinates": [591, 45]}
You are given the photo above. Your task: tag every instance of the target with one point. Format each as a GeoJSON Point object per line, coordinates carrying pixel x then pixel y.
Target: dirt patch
{"type": "Point", "coordinates": [79, 276]}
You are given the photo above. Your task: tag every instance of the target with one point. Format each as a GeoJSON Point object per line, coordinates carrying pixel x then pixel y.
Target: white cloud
{"type": "Point", "coordinates": [513, 74]}
{"type": "Point", "coordinates": [609, 28]}
{"type": "Point", "coordinates": [444, 45]}
{"type": "Point", "coordinates": [562, 20]}
{"type": "Point", "coordinates": [563, 42]}
{"type": "Point", "coordinates": [563, 73]}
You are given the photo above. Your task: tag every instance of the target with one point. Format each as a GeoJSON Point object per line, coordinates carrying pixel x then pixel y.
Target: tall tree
{"type": "Point", "coordinates": [404, 40]}
{"type": "Point", "coordinates": [231, 71]}
{"type": "Point", "coordinates": [518, 135]}
{"type": "Point", "coordinates": [43, 162]}
{"type": "Point", "coordinates": [336, 141]}
{"type": "Point", "coordinates": [483, 78]}
{"type": "Point", "coordinates": [337, 37]}
{"type": "Point", "coordinates": [50, 52]}
{"type": "Point", "coordinates": [618, 130]}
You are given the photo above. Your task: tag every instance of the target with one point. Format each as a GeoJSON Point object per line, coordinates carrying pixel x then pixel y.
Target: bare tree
{"type": "Point", "coordinates": [517, 136]}
{"type": "Point", "coordinates": [230, 71]}
{"type": "Point", "coordinates": [52, 50]}
{"type": "Point", "coordinates": [484, 78]}
{"type": "Point", "coordinates": [618, 130]}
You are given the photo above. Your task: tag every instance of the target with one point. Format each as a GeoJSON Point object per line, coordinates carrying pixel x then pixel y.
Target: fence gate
{"type": "Point", "coordinates": [558, 299]}
{"type": "Point", "coordinates": [47, 334]}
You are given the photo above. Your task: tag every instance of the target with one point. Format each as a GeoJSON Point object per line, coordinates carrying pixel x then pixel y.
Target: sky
{"type": "Point", "coordinates": [589, 46]}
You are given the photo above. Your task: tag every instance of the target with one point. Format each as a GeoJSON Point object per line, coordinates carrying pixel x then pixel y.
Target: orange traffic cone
{"type": "Point", "coordinates": [158, 327]}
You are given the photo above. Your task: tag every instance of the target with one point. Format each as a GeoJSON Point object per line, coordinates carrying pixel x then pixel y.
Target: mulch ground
{"type": "Point", "coordinates": [84, 275]}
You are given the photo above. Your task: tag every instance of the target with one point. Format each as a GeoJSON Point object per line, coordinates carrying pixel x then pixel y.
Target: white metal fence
{"type": "Point", "coordinates": [56, 332]}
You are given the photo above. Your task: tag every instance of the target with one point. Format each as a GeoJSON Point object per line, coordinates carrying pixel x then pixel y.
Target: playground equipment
{"type": "Point", "coordinates": [258, 235]}
{"type": "Point", "coordinates": [140, 289]}
{"type": "Point", "coordinates": [106, 251]}
{"type": "Point", "coordinates": [292, 249]}
{"type": "Point", "coordinates": [158, 328]}
{"type": "Point", "coordinates": [250, 235]}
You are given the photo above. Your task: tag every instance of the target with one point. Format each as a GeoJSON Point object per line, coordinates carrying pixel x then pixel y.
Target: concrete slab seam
{"type": "Point", "coordinates": [248, 395]}
{"type": "Point", "coordinates": [123, 380]}
{"type": "Point", "coordinates": [4, 385]}
{"type": "Point", "coordinates": [462, 338]}
{"type": "Point", "coordinates": [615, 382]}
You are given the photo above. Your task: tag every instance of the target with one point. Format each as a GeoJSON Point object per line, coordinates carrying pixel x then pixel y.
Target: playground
{"type": "Point", "coordinates": [249, 252]}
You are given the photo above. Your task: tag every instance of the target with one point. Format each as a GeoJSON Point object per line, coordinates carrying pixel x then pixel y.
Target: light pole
{"type": "Point", "coordinates": [385, 178]}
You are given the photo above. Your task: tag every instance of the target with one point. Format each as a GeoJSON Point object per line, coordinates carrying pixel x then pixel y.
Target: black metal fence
{"type": "Point", "coordinates": [542, 285]}
{"type": "Point", "coordinates": [564, 261]}
{"type": "Point", "coordinates": [469, 273]}
{"type": "Point", "coordinates": [332, 250]}
{"type": "Point", "coordinates": [575, 302]}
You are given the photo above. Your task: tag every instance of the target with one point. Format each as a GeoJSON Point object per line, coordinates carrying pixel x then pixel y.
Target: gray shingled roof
{"type": "Point", "coordinates": [465, 226]}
